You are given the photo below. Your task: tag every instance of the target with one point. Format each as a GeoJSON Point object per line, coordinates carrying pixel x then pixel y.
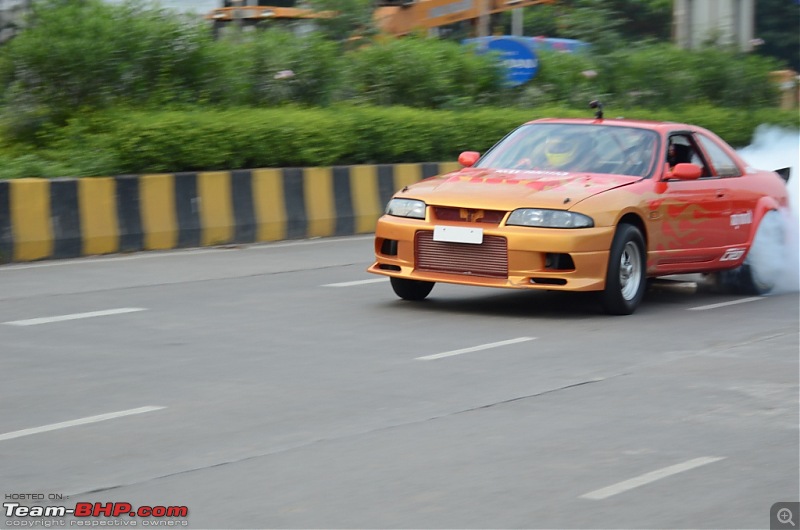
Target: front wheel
{"type": "Point", "coordinates": [411, 289]}
{"type": "Point", "coordinates": [626, 277]}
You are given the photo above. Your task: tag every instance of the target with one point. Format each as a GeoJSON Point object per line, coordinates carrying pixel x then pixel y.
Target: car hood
{"type": "Point", "coordinates": [511, 189]}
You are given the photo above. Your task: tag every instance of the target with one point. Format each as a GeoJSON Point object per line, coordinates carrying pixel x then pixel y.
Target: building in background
{"type": "Point", "coordinates": [12, 13]}
{"type": "Point", "coordinates": [725, 22]}
{"type": "Point", "coordinates": [200, 7]}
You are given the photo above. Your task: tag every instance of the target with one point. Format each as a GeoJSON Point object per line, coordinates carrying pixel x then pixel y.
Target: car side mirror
{"type": "Point", "coordinates": [468, 158]}
{"type": "Point", "coordinates": [685, 172]}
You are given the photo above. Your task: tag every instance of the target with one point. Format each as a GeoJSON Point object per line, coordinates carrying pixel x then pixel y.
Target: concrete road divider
{"type": "Point", "coordinates": [67, 218]}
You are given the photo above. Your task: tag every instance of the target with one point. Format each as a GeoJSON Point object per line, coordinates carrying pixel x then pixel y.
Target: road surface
{"type": "Point", "coordinates": [281, 386]}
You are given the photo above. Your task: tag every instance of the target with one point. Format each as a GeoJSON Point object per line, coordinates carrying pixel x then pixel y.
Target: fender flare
{"type": "Point", "coordinates": [763, 207]}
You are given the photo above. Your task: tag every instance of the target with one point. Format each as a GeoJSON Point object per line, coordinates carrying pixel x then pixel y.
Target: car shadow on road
{"type": "Point", "coordinates": [524, 304]}
{"type": "Point", "coordinates": [662, 293]}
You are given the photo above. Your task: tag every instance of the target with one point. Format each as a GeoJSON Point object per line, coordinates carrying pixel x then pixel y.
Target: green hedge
{"type": "Point", "coordinates": [121, 142]}
{"type": "Point", "coordinates": [80, 57]}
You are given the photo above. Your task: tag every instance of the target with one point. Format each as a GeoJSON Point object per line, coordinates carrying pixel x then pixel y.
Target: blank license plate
{"type": "Point", "coordinates": [458, 234]}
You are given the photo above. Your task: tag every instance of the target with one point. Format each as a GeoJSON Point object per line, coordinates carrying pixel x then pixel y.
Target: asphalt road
{"type": "Point", "coordinates": [282, 386]}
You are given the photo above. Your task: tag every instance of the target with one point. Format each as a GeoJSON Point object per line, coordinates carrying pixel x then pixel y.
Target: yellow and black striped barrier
{"type": "Point", "coordinates": [67, 218]}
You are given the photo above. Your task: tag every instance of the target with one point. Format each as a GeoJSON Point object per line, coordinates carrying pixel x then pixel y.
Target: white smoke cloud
{"type": "Point", "coordinates": [775, 148]}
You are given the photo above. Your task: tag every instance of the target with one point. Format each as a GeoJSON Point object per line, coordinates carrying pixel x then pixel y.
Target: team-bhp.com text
{"type": "Point", "coordinates": [90, 514]}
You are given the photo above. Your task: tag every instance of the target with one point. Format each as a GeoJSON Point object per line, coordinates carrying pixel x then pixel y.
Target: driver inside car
{"type": "Point", "coordinates": [562, 152]}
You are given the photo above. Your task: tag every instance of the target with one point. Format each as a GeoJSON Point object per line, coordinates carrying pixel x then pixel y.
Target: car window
{"type": "Point", "coordinates": [682, 149]}
{"type": "Point", "coordinates": [576, 148]}
{"type": "Point", "coordinates": [723, 164]}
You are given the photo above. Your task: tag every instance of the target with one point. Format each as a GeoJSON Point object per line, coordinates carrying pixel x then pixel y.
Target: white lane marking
{"type": "Point", "coordinates": [74, 316]}
{"type": "Point", "coordinates": [359, 282]}
{"type": "Point", "coordinates": [723, 304]}
{"type": "Point", "coordinates": [182, 252]}
{"type": "Point", "coordinates": [647, 478]}
{"type": "Point", "coordinates": [73, 423]}
{"type": "Point", "coordinates": [475, 348]}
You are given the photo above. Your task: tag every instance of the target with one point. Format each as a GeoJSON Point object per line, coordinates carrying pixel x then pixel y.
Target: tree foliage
{"type": "Point", "coordinates": [273, 67]}
{"type": "Point", "coordinates": [655, 76]}
{"type": "Point", "coordinates": [80, 56]}
{"type": "Point", "coordinates": [778, 25]}
{"type": "Point", "coordinates": [353, 18]}
{"type": "Point", "coordinates": [419, 72]}
{"type": "Point", "coordinates": [605, 23]}
{"type": "Point", "coordinates": [90, 54]}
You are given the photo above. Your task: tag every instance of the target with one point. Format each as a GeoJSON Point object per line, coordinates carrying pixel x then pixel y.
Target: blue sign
{"type": "Point", "coordinates": [517, 54]}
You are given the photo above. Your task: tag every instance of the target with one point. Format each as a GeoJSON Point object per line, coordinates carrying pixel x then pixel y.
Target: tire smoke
{"type": "Point", "coordinates": [775, 148]}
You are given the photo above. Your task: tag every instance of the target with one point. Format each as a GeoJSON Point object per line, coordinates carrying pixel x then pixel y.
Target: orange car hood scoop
{"type": "Point", "coordinates": [510, 189]}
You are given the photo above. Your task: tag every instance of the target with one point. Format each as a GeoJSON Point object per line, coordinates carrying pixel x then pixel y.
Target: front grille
{"type": "Point", "coordinates": [443, 213]}
{"type": "Point", "coordinates": [489, 259]}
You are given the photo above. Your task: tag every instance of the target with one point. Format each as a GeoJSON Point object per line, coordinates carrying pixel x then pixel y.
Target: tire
{"type": "Point", "coordinates": [626, 279]}
{"type": "Point", "coordinates": [414, 290]}
{"type": "Point", "coordinates": [765, 261]}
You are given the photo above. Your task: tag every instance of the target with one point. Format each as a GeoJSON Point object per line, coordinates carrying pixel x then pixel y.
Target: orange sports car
{"type": "Point", "coordinates": [587, 205]}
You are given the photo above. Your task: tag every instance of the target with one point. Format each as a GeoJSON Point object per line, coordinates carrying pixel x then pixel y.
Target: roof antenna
{"type": "Point", "coordinates": [599, 106]}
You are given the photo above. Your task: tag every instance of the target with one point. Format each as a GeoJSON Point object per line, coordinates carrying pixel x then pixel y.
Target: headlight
{"type": "Point", "coordinates": [406, 208]}
{"type": "Point", "coordinates": [549, 218]}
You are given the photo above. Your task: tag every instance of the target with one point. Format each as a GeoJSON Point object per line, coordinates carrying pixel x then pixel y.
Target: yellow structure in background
{"type": "Point", "coordinates": [130, 213]}
{"type": "Point", "coordinates": [405, 17]}
{"type": "Point", "coordinates": [30, 219]}
{"type": "Point", "coordinates": [97, 201]}
{"type": "Point", "coordinates": [157, 207]}
{"type": "Point", "coordinates": [788, 82]}
{"type": "Point", "coordinates": [319, 201]}
{"type": "Point", "coordinates": [269, 205]}
{"type": "Point", "coordinates": [366, 207]}
{"type": "Point", "coordinates": [215, 204]}
{"type": "Point", "coordinates": [392, 17]}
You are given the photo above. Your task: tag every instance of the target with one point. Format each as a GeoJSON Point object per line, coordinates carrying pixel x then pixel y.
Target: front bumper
{"type": "Point", "coordinates": [515, 257]}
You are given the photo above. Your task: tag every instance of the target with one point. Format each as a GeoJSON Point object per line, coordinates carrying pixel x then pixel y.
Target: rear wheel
{"type": "Point", "coordinates": [765, 261]}
{"type": "Point", "coordinates": [626, 276]}
{"type": "Point", "coordinates": [411, 289]}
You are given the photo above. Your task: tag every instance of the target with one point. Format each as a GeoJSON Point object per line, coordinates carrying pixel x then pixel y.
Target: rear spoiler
{"type": "Point", "coordinates": [784, 173]}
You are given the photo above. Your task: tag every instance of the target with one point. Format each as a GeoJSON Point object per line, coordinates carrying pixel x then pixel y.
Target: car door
{"type": "Point", "coordinates": [693, 215]}
{"type": "Point", "coordinates": [742, 202]}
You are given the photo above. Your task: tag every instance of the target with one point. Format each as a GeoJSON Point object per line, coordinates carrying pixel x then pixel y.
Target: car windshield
{"type": "Point", "coordinates": [589, 148]}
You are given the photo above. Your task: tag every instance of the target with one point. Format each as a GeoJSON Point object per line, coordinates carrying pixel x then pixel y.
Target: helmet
{"type": "Point", "coordinates": [560, 149]}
